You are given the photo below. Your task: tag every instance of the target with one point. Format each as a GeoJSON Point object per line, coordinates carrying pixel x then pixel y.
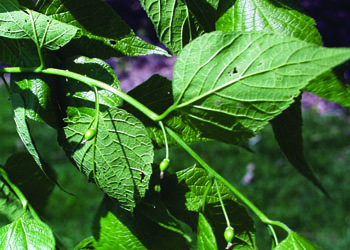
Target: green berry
{"type": "Point", "coordinates": [164, 165]}
{"type": "Point", "coordinates": [229, 234]}
{"type": "Point", "coordinates": [89, 134]}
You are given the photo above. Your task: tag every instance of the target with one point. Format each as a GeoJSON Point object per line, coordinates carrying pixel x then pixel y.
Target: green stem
{"type": "Point", "coordinates": [92, 83]}
{"type": "Point", "coordinates": [37, 42]}
{"type": "Point", "coordinates": [165, 140]}
{"type": "Point", "coordinates": [97, 116]}
{"type": "Point", "coordinates": [19, 194]}
{"type": "Point", "coordinates": [274, 236]}
{"type": "Point", "coordinates": [222, 205]}
{"type": "Point", "coordinates": [216, 175]}
{"type": "Point", "coordinates": [206, 194]}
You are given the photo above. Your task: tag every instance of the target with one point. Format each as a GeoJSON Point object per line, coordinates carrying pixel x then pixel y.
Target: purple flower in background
{"type": "Point", "coordinates": [248, 177]}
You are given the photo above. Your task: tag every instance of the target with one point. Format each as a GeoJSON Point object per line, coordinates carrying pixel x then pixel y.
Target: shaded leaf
{"type": "Point", "coordinates": [10, 206]}
{"type": "Point", "coordinates": [76, 96]}
{"type": "Point", "coordinates": [87, 243]}
{"type": "Point", "coordinates": [103, 33]}
{"type": "Point", "coordinates": [24, 172]}
{"type": "Point", "coordinates": [121, 153]}
{"type": "Point", "coordinates": [26, 234]}
{"type": "Point", "coordinates": [232, 84]}
{"type": "Point", "coordinates": [183, 195]}
{"type": "Point", "coordinates": [332, 86]}
{"type": "Point", "coordinates": [287, 128]}
{"type": "Point", "coordinates": [174, 23]}
{"type": "Point", "coordinates": [24, 133]}
{"type": "Point", "coordinates": [39, 96]}
{"type": "Point", "coordinates": [115, 228]}
{"type": "Point", "coordinates": [295, 241]}
{"type": "Point", "coordinates": [206, 237]}
{"type": "Point", "coordinates": [18, 24]}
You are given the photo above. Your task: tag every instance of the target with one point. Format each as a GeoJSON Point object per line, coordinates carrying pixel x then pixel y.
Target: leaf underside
{"type": "Point", "coordinates": [231, 84]}
{"type": "Point", "coordinates": [121, 153]}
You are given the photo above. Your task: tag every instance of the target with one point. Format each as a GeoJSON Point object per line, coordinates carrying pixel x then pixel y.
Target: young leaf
{"type": "Point", "coordinates": [295, 241]}
{"type": "Point", "coordinates": [26, 234]}
{"type": "Point", "coordinates": [28, 177]}
{"type": "Point", "coordinates": [206, 237]}
{"type": "Point", "coordinates": [232, 84]}
{"type": "Point", "coordinates": [121, 153]}
{"type": "Point", "coordinates": [103, 33]}
{"type": "Point", "coordinates": [19, 24]}
{"type": "Point", "coordinates": [173, 22]}
{"type": "Point", "coordinates": [287, 128]}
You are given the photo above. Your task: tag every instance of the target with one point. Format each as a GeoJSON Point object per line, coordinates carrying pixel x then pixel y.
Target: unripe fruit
{"type": "Point", "coordinates": [163, 166]}
{"type": "Point", "coordinates": [229, 234]}
{"type": "Point", "coordinates": [89, 134]}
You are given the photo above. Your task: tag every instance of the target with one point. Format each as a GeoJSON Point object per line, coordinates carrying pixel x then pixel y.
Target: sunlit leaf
{"type": "Point", "coordinates": [26, 234]}
{"type": "Point", "coordinates": [121, 153]}
{"type": "Point", "coordinates": [206, 237]}
{"type": "Point", "coordinates": [295, 241]}
{"type": "Point", "coordinates": [103, 33]}
{"type": "Point", "coordinates": [174, 24]}
{"type": "Point", "coordinates": [19, 24]}
{"type": "Point", "coordinates": [232, 84]}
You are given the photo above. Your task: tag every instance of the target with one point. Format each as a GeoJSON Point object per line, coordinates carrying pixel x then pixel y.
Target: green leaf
{"type": "Point", "coordinates": [287, 128]}
{"type": "Point", "coordinates": [27, 3]}
{"type": "Point", "coordinates": [156, 94]}
{"type": "Point", "coordinates": [86, 244]}
{"type": "Point", "coordinates": [39, 96]}
{"type": "Point", "coordinates": [232, 84]}
{"type": "Point", "coordinates": [269, 16]}
{"type": "Point", "coordinates": [183, 196]}
{"type": "Point", "coordinates": [10, 206]}
{"type": "Point", "coordinates": [24, 134]}
{"type": "Point", "coordinates": [295, 241]}
{"type": "Point", "coordinates": [286, 18]}
{"type": "Point", "coordinates": [26, 234]}
{"type": "Point", "coordinates": [121, 153]}
{"type": "Point", "coordinates": [111, 229]}
{"type": "Point", "coordinates": [76, 96]}
{"type": "Point", "coordinates": [27, 24]}
{"type": "Point", "coordinates": [206, 237]}
{"type": "Point", "coordinates": [173, 22]}
{"type": "Point", "coordinates": [103, 33]}
{"type": "Point", "coordinates": [24, 172]}
{"type": "Point", "coordinates": [115, 228]}
{"type": "Point", "coordinates": [9, 50]}
{"type": "Point", "coordinates": [332, 86]}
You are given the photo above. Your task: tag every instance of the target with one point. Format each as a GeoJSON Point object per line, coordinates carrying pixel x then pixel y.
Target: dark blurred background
{"type": "Point", "coordinates": [265, 177]}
